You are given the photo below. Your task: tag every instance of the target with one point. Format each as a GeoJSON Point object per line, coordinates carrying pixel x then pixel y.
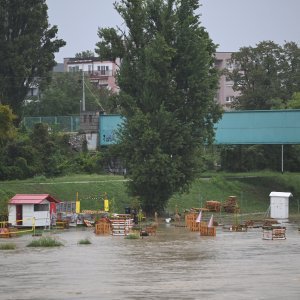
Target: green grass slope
{"type": "Point", "coordinates": [252, 190]}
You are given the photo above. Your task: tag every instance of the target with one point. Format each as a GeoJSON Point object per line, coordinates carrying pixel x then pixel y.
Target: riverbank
{"type": "Point", "coordinates": [251, 189]}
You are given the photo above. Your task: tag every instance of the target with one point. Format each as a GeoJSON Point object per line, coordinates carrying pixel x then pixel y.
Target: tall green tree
{"type": "Point", "coordinates": [265, 75]}
{"type": "Point", "coordinates": [28, 45]}
{"type": "Point", "coordinates": [7, 129]}
{"type": "Point", "coordinates": [167, 84]}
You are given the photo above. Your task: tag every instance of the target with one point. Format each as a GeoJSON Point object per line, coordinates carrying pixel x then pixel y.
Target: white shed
{"type": "Point", "coordinates": [279, 203]}
{"type": "Point", "coordinates": [23, 208]}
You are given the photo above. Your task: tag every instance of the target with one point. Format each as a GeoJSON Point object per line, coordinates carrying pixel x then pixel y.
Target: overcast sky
{"type": "Point", "coordinates": [230, 23]}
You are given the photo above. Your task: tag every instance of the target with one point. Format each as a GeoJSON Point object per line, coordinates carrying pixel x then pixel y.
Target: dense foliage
{"type": "Point", "coordinates": [63, 95]}
{"type": "Point", "coordinates": [46, 153]}
{"type": "Point", "coordinates": [28, 45]}
{"type": "Point", "coordinates": [7, 129]}
{"type": "Point", "coordinates": [243, 158]}
{"type": "Point", "coordinates": [167, 84]}
{"type": "Point", "coordinates": [267, 75]}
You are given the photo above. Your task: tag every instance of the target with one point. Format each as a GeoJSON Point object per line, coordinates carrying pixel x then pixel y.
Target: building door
{"type": "Point", "coordinates": [19, 214]}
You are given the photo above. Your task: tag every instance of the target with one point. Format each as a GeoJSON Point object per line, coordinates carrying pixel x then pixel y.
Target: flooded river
{"type": "Point", "coordinates": [174, 264]}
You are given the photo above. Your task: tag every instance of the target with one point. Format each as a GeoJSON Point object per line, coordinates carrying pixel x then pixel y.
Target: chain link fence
{"type": "Point", "coordinates": [61, 123]}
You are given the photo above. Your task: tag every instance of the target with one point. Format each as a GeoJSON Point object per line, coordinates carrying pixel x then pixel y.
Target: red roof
{"type": "Point", "coordinates": [31, 199]}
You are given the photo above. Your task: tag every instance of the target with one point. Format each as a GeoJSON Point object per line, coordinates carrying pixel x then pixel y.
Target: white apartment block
{"type": "Point", "coordinates": [225, 94]}
{"type": "Point", "coordinates": [100, 73]}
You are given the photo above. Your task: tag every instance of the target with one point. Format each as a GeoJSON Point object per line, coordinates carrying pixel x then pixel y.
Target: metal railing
{"type": "Point", "coordinates": [11, 231]}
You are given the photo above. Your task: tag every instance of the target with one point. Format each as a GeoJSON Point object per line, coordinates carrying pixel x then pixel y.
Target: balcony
{"type": "Point", "coordinates": [101, 73]}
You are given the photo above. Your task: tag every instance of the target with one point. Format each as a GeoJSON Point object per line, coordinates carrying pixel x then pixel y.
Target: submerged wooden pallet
{"type": "Point", "coordinates": [208, 231]}
{"type": "Point", "coordinates": [8, 232]}
{"type": "Point", "coordinates": [151, 230]}
{"type": "Point", "coordinates": [4, 233]}
{"type": "Point", "coordinates": [274, 233]}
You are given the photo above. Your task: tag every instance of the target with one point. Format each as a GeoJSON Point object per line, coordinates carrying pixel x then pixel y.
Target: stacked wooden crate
{"type": "Point", "coordinates": [279, 233]}
{"type": "Point", "coordinates": [231, 205]}
{"type": "Point", "coordinates": [212, 205]}
{"type": "Point", "coordinates": [102, 227]}
{"type": "Point", "coordinates": [190, 222]}
{"type": "Point", "coordinates": [208, 231]}
{"type": "Point", "coordinates": [276, 232]}
{"type": "Point", "coordinates": [121, 226]}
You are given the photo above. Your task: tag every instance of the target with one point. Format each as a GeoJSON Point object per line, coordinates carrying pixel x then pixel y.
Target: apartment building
{"type": "Point", "coordinates": [34, 91]}
{"type": "Point", "coordinates": [100, 73]}
{"type": "Point", "coordinates": [225, 94]}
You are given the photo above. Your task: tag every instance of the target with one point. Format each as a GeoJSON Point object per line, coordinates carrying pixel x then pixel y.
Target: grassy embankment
{"type": "Point", "coordinates": [251, 189]}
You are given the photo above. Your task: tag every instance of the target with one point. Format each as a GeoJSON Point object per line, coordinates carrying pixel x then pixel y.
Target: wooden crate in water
{"type": "Point", "coordinates": [191, 224]}
{"type": "Point", "coordinates": [208, 231]}
{"type": "Point", "coordinates": [151, 230]}
{"type": "Point", "coordinates": [102, 228]}
{"type": "Point", "coordinates": [274, 233]}
{"type": "Point", "coordinates": [279, 234]}
{"type": "Point", "coordinates": [190, 220]}
{"type": "Point", "coordinates": [121, 226]}
{"type": "Point", "coordinates": [195, 226]}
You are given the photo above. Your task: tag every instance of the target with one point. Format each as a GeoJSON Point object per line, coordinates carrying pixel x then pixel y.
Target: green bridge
{"type": "Point", "coordinates": [236, 128]}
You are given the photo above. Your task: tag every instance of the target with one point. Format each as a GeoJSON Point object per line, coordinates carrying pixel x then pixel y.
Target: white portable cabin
{"type": "Point", "coordinates": [23, 208]}
{"type": "Point", "coordinates": [279, 203]}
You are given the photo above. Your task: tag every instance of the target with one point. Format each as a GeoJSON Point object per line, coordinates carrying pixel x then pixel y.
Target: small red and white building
{"type": "Point", "coordinates": [24, 208]}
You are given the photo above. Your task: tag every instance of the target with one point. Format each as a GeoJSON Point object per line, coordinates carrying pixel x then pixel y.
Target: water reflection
{"type": "Point", "coordinates": [174, 264]}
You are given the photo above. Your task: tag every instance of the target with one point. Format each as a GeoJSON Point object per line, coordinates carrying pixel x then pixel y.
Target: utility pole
{"type": "Point", "coordinates": [83, 90]}
{"type": "Point", "coordinates": [282, 159]}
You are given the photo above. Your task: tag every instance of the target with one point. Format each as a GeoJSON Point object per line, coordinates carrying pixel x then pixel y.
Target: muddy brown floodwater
{"type": "Point", "coordinates": [174, 264]}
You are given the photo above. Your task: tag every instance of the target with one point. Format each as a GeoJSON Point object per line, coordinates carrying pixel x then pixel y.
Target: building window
{"type": "Point", "coordinates": [90, 118]}
{"type": "Point", "coordinates": [74, 69]}
{"type": "Point", "coordinates": [41, 207]}
{"type": "Point", "coordinates": [229, 98]}
{"type": "Point", "coordinates": [84, 118]}
{"type": "Point", "coordinates": [229, 82]}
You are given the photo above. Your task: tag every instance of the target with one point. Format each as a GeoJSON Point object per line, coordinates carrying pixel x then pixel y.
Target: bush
{"type": "Point", "coordinates": [45, 242]}
{"type": "Point", "coordinates": [132, 236]}
{"type": "Point", "coordinates": [84, 242]}
{"type": "Point", "coordinates": [7, 246]}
